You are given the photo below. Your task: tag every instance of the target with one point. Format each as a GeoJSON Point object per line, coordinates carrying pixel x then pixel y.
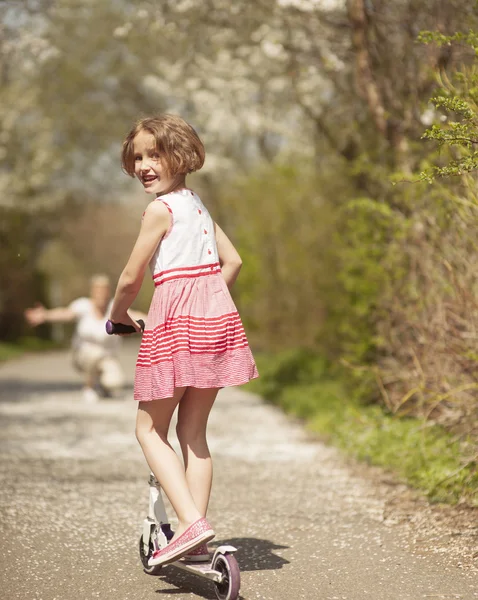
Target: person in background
{"type": "Point", "coordinates": [94, 352]}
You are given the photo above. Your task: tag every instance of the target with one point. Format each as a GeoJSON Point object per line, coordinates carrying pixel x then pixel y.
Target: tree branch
{"type": "Point", "coordinates": [365, 82]}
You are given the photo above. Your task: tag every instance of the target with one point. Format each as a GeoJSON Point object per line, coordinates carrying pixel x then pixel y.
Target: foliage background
{"type": "Point", "coordinates": [341, 161]}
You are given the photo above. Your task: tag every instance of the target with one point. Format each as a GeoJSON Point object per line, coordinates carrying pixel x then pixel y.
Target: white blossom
{"type": "Point", "coordinates": [273, 50]}
{"type": "Point", "coordinates": [122, 31]}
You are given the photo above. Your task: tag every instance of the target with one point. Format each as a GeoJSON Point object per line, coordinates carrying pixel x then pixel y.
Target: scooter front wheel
{"type": "Point", "coordinates": [144, 558]}
{"type": "Point", "coordinates": [228, 588]}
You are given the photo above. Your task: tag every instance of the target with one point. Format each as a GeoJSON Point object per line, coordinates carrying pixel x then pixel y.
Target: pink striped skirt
{"type": "Point", "coordinates": [194, 337]}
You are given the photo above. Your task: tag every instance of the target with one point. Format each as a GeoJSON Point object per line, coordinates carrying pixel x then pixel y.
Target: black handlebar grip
{"type": "Point", "coordinates": [115, 328]}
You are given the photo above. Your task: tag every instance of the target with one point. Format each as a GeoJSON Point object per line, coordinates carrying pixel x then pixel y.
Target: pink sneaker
{"type": "Point", "coordinates": [199, 554]}
{"type": "Point", "coordinates": [197, 534]}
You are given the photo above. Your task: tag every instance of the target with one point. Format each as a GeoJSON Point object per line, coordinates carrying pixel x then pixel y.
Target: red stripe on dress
{"type": "Point", "coordinates": [198, 340]}
{"type": "Point", "coordinates": [208, 266]}
{"type": "Point", "coordinates": [164, 356]}
{"type": "Point", "coordinates": [203, 331]}
{"type": "Point", "coordinates": [157, 283]}
{"type": "Point", "coordinates": [151, 345]}
{"type": "Point", "coordinates": [196, 321]}
{"type": "Point", "coordinates": [168, 356]}
{"type": "Point", "coordinates": [196, 344]}
{"type": "Point", "coordinates": [162, 340]}
{"type": "Point", "coordinates": [194, 330]}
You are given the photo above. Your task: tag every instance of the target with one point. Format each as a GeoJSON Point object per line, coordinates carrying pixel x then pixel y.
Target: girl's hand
{"type": "Point", "coordinates": [228, 257]}
{"type": "Point", "coordinates": [125, 319]}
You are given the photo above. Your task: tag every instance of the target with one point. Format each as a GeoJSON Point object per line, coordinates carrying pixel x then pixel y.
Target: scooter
{"type": "Point", "coordinates": [222, 569]}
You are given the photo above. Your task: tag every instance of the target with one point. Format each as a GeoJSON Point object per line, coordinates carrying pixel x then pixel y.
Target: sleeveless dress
{"type": "Point", "coordinates": [194, 335]}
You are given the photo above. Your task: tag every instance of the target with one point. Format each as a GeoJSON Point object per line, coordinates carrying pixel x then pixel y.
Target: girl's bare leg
{"type": "Point", "coordinates": [152, 424]}
{"type": "Point", "coordinates": [193, 414]}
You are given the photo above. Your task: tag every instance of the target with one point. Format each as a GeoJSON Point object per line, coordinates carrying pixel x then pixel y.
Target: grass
{"type": "Point", "coordinates": [9, 350]}
{"type": "Point", "coordinates": [422, 454]}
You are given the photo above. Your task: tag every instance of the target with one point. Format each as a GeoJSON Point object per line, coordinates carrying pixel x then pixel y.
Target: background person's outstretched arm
{"type": "Point", "coordinates": [39, 314]}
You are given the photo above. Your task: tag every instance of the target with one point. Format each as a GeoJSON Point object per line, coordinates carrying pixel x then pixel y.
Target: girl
{"type": "Point", "coordinates": [194, 342]}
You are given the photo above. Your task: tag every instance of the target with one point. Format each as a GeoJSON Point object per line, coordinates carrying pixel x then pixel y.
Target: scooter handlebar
{"type": "Point", "coordinates": [115, 328]}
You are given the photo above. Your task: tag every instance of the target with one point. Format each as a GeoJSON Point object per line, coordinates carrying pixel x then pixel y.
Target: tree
{"type": "Point", "coordinates": [457, 129]}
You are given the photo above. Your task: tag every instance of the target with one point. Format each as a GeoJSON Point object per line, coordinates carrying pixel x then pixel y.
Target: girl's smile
{"type": "Point", "coordinates": [148, 179]}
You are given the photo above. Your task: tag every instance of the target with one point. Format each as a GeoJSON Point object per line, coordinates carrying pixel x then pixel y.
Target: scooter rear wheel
{"type": "Point", "coordinates": [229, 587]}
{"type": "Point", "coordinates": [144, 559]}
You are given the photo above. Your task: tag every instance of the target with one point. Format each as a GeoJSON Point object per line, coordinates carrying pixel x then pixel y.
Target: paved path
{"type": "Point", "coordinates": [308, 525]}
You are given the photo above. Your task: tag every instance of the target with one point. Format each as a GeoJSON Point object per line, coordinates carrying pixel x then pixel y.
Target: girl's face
{"type": "Point", "coordinates": [148, 166]}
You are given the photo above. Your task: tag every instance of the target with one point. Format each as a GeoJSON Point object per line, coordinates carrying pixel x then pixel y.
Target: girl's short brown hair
{"type": "Point", "coordinates": [176, 141]}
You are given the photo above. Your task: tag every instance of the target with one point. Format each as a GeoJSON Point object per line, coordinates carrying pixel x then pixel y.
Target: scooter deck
{"type": "Point", "coordinates": [204, 569]}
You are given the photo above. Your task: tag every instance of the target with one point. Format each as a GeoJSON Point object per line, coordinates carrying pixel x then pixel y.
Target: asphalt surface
{"type": "Point", "coordinates": [308, 524]}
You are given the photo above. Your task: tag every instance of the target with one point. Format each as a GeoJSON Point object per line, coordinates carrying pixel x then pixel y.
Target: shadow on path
{"type": "Point", "coordinates": [253, 555]}
{"type": "Point", "coordinates": [15, 390]}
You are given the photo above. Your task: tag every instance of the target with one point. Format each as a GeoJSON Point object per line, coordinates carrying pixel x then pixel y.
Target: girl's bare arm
{"type": "Point", "coordinates": [155, 224]}
{"type": "Point", "coordinates": [229, 258]}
